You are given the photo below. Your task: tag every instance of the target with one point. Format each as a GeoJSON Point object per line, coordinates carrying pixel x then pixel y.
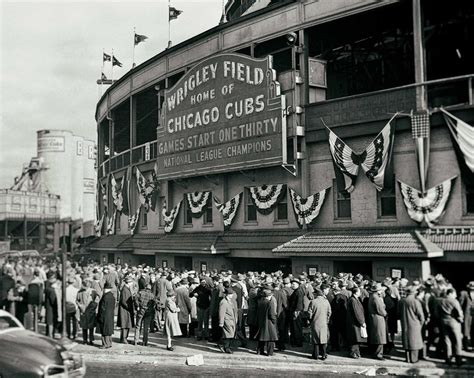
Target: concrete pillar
{"type": "Point", "coordinates": [425, 269]}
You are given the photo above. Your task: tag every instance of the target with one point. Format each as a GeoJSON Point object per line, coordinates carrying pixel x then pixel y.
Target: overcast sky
{"type": "Point", "coordinates": [51, 57]}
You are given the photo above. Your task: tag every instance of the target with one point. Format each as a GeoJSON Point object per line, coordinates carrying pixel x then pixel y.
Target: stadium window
{"type": "Point", "coordinates": [117, 221]}
{"type": "Point", "coordinates": [144, 216]}
{"type": "Point", "coordinates": [188, 215]}
{"type": "Point", "coordinates": [386, 202]}
{"type": "Point", "coordinates": [343, 203]}
{"type": "Point", "coordinates": [208, 212]}
{"type": "Point", "coordinates": [250, 208]}
{"type": "Point", "coordinates": [282, 209]}
{"type": "Point", "coordinates": [469, 199]}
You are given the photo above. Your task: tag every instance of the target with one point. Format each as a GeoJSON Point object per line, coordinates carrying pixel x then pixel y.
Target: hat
{"type": "Point", "coordinates": [148, 286]}
{"type": "Point", "coordinates": [234, 278]}
{"type": "Point", "coordinates": [411, 290]}
{"type": "Point", "coordinates": [470, 285]}
{"type": "Point", "coordinates": [128, 279]}
{"type": "Point", "coordinates": [170, 293]}
{"type": "Point", "coordinates": [342, 283]}
{"type": "Point", "coordinates": [295, 280]}
{"type": "Point", "coordinates": [430, 281]}
{"type": "Point", "coordinates": [229, 290]}
{"type": "Point", "coordinates": [286, 280]}
{"type": "Point", "coordinates": [108, 285]}
{"type": "Point", "coordinates": [376, 287]}
{"type": "Point", "coordinates": [71, 280]}
{"type": "Point", "coordinates": [387, 281]}
{"type": "Point", "coordinates": [350, 285]}
{"type": "Point", "coordinates": [184, 280]}
{"type": "Point", "coordinates": [267, 292]}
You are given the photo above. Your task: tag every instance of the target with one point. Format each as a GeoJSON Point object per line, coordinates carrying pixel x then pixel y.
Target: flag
{"type": "Point", "coordinates": [174, 13]}
{"type": "Point", "coordinates": [115, 62]}
{"type": "Point", "coordinates": [139, 38]}
{"type": "Point", "coordinates": [375, 160]}
{"type": "Point", "coordinates": [428, 206]}
{"type": "Point", "coordinates": [106, 57]}
{"type": "Point", "coordinates": [462, 135]}
{"type": "Point", "coordinates": [154, 178]}
{"type": "Point", "coordinates": [307, 209]}
{"type": "Point", "coordinates": [420, 127]}
{"type": "Point", "coordinates": [126, 191]}
{"type": "Point", "coordinates": [103, 77]}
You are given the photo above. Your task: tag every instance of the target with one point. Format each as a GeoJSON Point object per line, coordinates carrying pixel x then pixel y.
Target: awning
{"type": "Point", "coordinates": [452, 239]}
{"type": "Point", "coordinates": [361, 243]}
{"type": "Point", "coordinates": [203, 243]}
{"type": "Point", "coordinates": [109, 243]}
{"type": "Point", "coordinates": [262, 240]}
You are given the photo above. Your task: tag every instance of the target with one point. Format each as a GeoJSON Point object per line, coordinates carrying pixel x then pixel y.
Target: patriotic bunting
{"type": "Point", "coordinates": [169, 218]}
{"type": "Point", "coordinates": [228, 209]}
{"type": "Point", "coordinates": [146, 191]}
{"type": "Point", "coordinates": [428, 207]}
{"type": "Point", "coordinates": [266, 197]}
{"type": "Point", "coordinates": [116, 193]}
{"type": "Point", "coordinates": [103, 192]}
{"type": "Point", "coordinates": [420, 127]}
{"type": "Point", "coordinates": [98, 226]}
{"type": "Point", "coordinates": [111, 224]}
{"type": "Point", "coordinates": [307, 209]}
{"type": "Point", "coordinates": [463, 136]}
{"type": "Point", "coordinates": [375, 159]}
{"type": "Point", "coordinates": [133, 220]}
{"type": "Point", "coordinates": [197, 202]}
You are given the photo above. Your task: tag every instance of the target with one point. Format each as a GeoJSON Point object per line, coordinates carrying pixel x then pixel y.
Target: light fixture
{"type": "Point", "coordinates": [291, 38]}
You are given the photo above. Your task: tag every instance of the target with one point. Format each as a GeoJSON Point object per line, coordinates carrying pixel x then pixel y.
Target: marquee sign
{"type": "Point", "coordinates": [224, 114]}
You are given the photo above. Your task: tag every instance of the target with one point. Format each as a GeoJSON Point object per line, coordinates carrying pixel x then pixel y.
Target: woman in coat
{"type": "Point", "coordinates": [412, 320]}
{"type": "Point", "coordinates": [126, 316]}
{"type": "Point", "coordinates": [227, 320]}
{"type": "Point", "coordinates": [377, 314]}
{"type": "Point", "coordinates": [105, 317]}
{"type": "Point", "coordinates": [319, 314]}
{"type": "Point", "coordinates": [87, 311]}
{"type": "Point", "coordinates": [267, 323]}
{"type": "Point", "coordinates": [171, 319]}
{"type": "Point", "coordinates": [355, 321]}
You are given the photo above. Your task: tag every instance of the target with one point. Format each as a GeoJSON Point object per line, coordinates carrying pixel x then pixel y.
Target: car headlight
{"type": "Point", "coordinates": [55, 371]}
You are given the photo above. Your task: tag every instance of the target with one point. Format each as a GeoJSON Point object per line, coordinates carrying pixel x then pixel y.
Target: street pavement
{"type": "Point", "coordinates": [154, 360]}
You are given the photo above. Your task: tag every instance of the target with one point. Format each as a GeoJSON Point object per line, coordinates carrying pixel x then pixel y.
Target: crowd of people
{"type": "Point", "coordinates": [338, 313]}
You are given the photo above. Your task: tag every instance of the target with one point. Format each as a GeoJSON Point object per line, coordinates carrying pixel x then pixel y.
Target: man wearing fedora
{"type": "Point", "coordinates": [184, 304]}
{"type": "Point", "coordinates": [126, 316]}
{"type": "Point", "coordinates": [296, 305]}
{"type": "Point", "coordinates": [466, 299]}
{"type": "Point", "coordinates": [267, 323]}
{"type": "Point", "coordinates": [227, 320]}
{"type": "Point", "coordinates": [105, 316]}
{"type": "Point", "coordinates": [377, 323]}
{"type": "Point", "coordinates": [451, 317]}
{"type": "Point", "coordinates": [412, 319]}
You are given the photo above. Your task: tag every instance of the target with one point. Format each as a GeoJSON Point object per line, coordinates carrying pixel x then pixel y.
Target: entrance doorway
{"type": "Point", "coordinates": [354, 267]}
{"type": "Point", "coordinates": [183, 262]}
{"type": "Point", "coordinates": [458, 273]}
{"type": "Point", "coordinates": [243, 265]}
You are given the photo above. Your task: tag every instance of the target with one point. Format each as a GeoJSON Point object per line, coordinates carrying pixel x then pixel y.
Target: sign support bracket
{"type": "Point", "coordinates": [181, 184]}
{"type": "Point", "coordinates": [250, 177]}
{"type": "Point", "coordinates": [291, 168]}
{"type": "Point", "coordinates": [216, 183]}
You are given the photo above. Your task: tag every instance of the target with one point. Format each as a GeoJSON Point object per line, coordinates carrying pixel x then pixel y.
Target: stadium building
{"type": "Point", "coordinates": [302, 135]}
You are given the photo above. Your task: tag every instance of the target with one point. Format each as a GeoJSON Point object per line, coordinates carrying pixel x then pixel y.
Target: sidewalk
{"type": "Point", "coordinates": [293, 359]}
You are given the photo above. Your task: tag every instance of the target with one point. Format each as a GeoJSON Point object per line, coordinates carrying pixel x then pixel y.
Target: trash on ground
{"type": "Point", "coordinates": [196, 360]}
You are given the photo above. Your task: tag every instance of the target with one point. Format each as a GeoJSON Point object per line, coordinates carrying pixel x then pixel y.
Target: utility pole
{"type": "Point", "coordinates": [63, 281]}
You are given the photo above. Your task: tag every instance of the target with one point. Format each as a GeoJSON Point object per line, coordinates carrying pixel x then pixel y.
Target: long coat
{"type": "Point", "coordinates": [227, 318]}
{"type": "Point", "coordinates": [355, 318]}
{"type": "Point", "coordinates": [267, 320]}
{"type": "Point", "coordinates": [411, 319]}
{"type": "Point", "coordinates": [252, 310]}
{"type": "Point", "coordinates": [467, 306]}
{"type": "Point", "coordinates": [319, 312]}
{"type": "Point", "coordinates": [105, 315]}
{"type": "Point", "coordinates": [126, 318]}
{"type": "Point", "coordinates": [87, 308]}
{"type": "Point", "coordinates": [184, 304]}
{"type": "Point", "coordinates": [281, 298]}
{"type": "Point", "coordinates": [171, 318]}
{"type": "Point", "coordinates": [377, 325]}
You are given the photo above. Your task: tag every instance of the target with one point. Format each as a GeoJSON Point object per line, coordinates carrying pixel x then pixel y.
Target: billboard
{"type": "Point", "coordinates": [225, 114]}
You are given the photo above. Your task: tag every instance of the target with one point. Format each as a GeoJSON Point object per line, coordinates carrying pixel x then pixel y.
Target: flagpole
{"type": "Point", "coordinates": [133, 56]}
{"type": "Point", "coordinates": [112, 78]}
{"type": "Point", "coordinates": [169, 25]}
{"type": "Point", "coordinates": [102, 72]}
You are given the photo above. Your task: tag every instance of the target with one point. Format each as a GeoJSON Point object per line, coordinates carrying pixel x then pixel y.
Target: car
{"type": "Point", "coordinates": [28, 354]}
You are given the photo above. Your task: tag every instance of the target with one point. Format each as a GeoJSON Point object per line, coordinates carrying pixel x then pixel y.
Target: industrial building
{"type": "Point", "coordinates": [217, 153]}
{"type": "Point", "coordinates": [57, 188]}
